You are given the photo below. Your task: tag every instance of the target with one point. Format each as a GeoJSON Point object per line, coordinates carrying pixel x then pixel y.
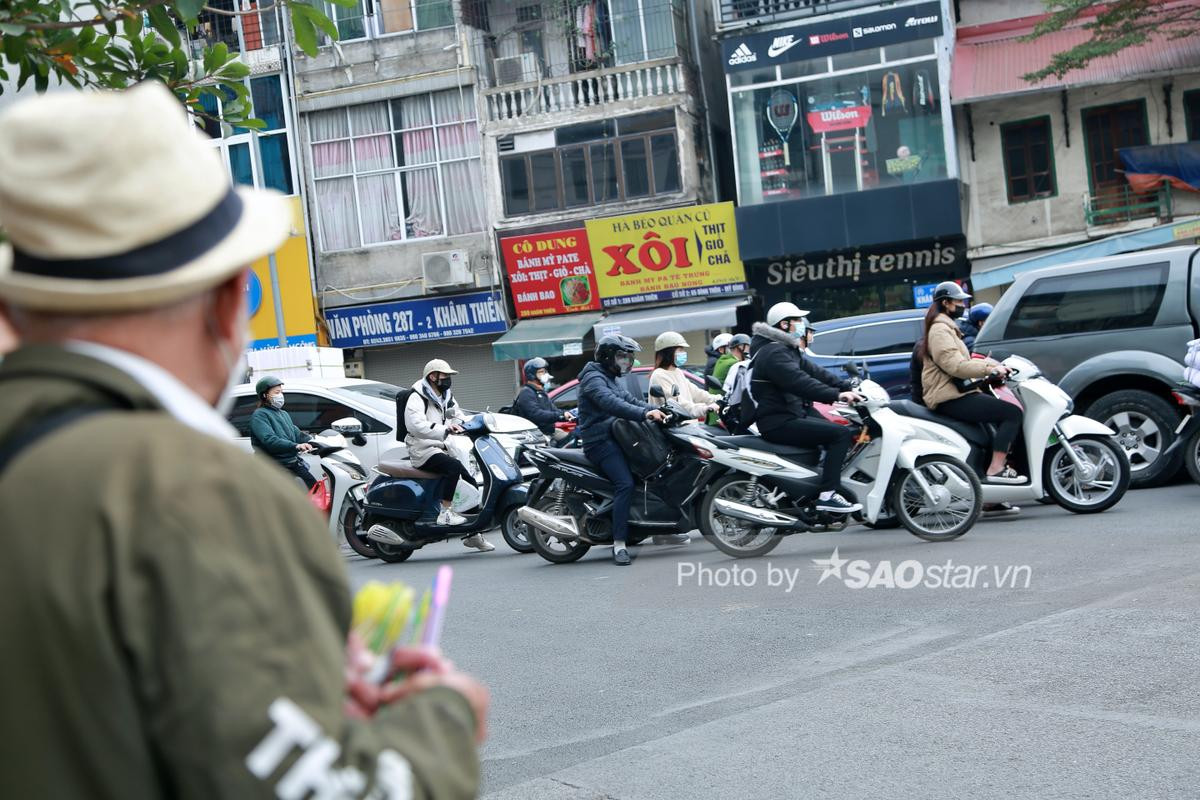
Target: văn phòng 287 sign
{"type": "Point", "coordinates": [416, 320]}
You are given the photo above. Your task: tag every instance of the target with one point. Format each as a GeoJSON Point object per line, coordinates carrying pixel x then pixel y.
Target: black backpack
{"type": "Point", "coordinates": [645, 447]}
{"type": "Point", "coordinates": [401, 402]}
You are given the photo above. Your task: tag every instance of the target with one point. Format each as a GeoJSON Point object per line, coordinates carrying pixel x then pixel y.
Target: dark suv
{"type": "Point", "coordinates": [885, 341]}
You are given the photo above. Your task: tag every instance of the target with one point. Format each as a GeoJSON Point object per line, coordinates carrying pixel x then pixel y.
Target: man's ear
{"type": "Point", "coordinates": [229, 306]}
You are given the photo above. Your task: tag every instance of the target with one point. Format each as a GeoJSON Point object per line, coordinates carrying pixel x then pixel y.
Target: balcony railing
{"type": "Point", "coordinates": [732, 13]}
{"type": "Point", "coordinates": [1122, 204]}
{"type": "Point", "coordinates": [584, 90]}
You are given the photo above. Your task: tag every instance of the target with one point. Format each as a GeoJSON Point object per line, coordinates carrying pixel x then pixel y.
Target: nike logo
{"type": "Point", "coordinates": [781, 45]}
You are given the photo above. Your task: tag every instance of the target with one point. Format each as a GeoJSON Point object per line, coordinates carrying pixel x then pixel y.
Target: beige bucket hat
{"type": "Point", "coordinates": [113, 201]}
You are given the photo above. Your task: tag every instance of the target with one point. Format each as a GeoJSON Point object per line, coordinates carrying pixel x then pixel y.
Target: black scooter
{"type": "Point", "coordinates": [1187, 435]}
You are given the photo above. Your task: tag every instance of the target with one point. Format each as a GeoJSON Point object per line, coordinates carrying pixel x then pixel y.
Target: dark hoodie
{"type": "Point", "coordinates": [602, 400]}
{"type": "Point", "coordinates": [711, 364]}
{"type": "Point", "coordinates": [785, 382]}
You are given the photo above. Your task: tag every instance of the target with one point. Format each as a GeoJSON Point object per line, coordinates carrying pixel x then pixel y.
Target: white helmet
{"type": "Point", "coordinates": [438, 365]}
{"type": "Point", "coordinates": [721, 340]}
{"type": "Point", "coordinates": [669, 339]}
{"type": "Point", "coordinates": [781, 311]}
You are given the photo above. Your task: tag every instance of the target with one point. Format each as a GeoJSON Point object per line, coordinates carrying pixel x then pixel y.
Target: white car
{"type": "Point", "coordinates": [315, 403]}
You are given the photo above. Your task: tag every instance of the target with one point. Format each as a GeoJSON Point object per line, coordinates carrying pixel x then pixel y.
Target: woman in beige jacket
{"type": "Point", "coordinates": [946, 357]}
{"type": "Point", "coordinates": [670, 354]}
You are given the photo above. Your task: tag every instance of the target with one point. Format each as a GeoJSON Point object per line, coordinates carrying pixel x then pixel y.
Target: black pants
{"type": "Point", "coordinates": [451, 469]}
{"type": "Point", "coordinates": [298, 468]}
{"type": "Point", "coordinates": [812, 431]}
{"type": "Point", "coordinates": [980, 407]}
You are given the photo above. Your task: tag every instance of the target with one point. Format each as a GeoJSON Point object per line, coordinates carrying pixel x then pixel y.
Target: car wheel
{"type": "Point", "coordinates": [1145, 426]}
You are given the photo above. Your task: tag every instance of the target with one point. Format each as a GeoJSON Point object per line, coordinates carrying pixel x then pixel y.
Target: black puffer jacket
{"type": "Point", "coordinates": [711, 363]}
{"type": "Point", "coordinates": [786, 382]}
{"type": "Point", "coordinates": [535, 405]}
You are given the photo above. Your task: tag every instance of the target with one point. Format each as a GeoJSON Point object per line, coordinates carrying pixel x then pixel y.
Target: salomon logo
{"type": "Point", "coordinates": [742, 55]}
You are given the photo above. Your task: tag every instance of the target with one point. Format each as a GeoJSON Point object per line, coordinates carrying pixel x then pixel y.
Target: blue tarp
{"type": "Point", "coordinates": [1146, 166]}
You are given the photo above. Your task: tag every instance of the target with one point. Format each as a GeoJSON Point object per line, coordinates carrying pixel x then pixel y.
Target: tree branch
{"type": "Point", "coordinates": [87, 23]}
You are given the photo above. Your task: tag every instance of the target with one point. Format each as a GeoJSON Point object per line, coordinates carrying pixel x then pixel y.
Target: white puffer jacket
{"type": "Point", "coordinates": [1191, 372]}
{"type": "Point", "coordinates": [426, 417]}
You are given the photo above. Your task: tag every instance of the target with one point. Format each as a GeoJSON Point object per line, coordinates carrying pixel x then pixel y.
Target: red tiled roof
{"type": "Point", "coordinates": [989, 60]}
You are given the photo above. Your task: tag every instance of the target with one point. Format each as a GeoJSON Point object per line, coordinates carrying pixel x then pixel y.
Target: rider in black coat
{"type": "Point", "coordinates": [533, 403]}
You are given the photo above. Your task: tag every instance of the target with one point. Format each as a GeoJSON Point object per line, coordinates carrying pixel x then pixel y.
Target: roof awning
{"type": "Point", "coordinates": [690, 317]}
{"type": "Point", "coordinates": [546, 337]}
{"type": "Point", "coordinates": [989, 60]}
{"type": "Point", "coordinates": [1160, 236]}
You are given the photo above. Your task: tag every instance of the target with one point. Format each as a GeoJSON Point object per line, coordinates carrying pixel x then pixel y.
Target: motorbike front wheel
{"type": "Point", "coordinates": [955, 505]}
{"type": "Point", "coordinates": [1104, 483]}
{"type": "Point", "coordinates": [515, 531]}
{"type": "Point", "coordinates": [735, 537]}
{"type": "Point", "coordinates": [551, 547]}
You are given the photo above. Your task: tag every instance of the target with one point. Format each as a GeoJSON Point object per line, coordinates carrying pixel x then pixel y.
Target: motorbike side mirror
{"type": "Point", "coordinates": [657, 391]}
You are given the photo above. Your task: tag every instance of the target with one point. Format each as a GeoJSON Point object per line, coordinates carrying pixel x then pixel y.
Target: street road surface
{"type": "Point", "coordinates": [674, 678]}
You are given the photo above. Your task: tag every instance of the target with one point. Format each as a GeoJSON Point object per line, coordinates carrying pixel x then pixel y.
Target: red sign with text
{"type": "Point", "coordinates": [550, 273]}
{"type": "Point", "coordinates": [839, 119]}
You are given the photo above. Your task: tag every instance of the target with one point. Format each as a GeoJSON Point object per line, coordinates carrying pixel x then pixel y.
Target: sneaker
{"type": "Point", "coordinates": [477, 541]}
{"type": "Point", "coordinates": [671, 538]}
{"type": "Point", "coordinates": [1001, 509]}
{"type": "Point", "coordinates": [621, 557]}
{"type": "Point", "coordinates": [838, 505]}
{"type": "Point", "coordinates": [450, 518]}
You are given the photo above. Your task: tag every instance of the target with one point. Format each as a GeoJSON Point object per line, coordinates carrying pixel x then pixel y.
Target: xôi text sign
{"type": "Point", "coordinates": [664, 255]}
{"type": "Point", "coordinates": [550, 273]}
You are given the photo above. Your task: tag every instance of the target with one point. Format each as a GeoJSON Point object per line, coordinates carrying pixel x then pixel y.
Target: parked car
{"type": "Point", "coordinates": [885, 341]}
{"type": "Point", "coordinates": [1111, 332]}
{"type": "Point", "coordinates": [314, 404]}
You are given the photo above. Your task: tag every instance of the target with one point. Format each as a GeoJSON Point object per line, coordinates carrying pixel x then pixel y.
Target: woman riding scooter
{"type": "Point", "coordinates": [946, 358]}
{"type": "Point", "coordinates": [670, 355]}
{"type": "Point", "coordinates": [601, 401]}
{"type": "Point", "coordinates": [431, 415]}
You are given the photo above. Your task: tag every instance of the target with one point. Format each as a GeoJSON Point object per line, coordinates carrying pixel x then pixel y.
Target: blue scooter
{"type": "Point", "coordinates": [395, 514]}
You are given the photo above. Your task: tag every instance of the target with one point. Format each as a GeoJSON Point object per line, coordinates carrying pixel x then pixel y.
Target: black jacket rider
{"type": "Point", "coordinates": [786, 382]}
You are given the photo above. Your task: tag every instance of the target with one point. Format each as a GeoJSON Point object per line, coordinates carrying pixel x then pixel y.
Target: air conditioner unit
{"type": "Point", "coordinates": [516, 69]}
{"type": "Point", "coordinates": [446, 269]}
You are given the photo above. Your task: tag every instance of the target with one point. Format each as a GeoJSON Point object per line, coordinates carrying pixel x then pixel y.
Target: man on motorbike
{"type": "Point", "coordinates": [720, 344]}
{"type": "Point", "coordinates": [785, 384]}
{"type": "Point", "coordinates": [273, 433]}
{"type": "Point", "coordinates": [739, 348]}
{"type": "Point", "coordinates": [430, 416]}
{"type": "Point", "coordinates": [972, 323]}
{"type": "Point", "coordinates": [534, 404]}
{"type": "Point", "coordinates": [601, 401]}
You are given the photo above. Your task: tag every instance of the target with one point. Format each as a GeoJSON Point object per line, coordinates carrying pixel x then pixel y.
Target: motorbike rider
{"type": "Point", "coordinates": [785, 384]}
{"type": "Point", "coordinates": [534, 404]}
{"type": "Point", "coordinates": [670, 355]}
{"type": "Point", "coordinates": [720, 344]}
{"type": "Point", "coordinates": [972, 323]}
{"type": "Point", "coordinates": [945, 358]}
{"type": "Point", "coordinates": [430, 416]}
{"type": "Point", "coordinates": [739, 348]}
{"type": "Point", "coordinates": [272, 431]}
{"type": "Point", "coordinates": [601, 401]}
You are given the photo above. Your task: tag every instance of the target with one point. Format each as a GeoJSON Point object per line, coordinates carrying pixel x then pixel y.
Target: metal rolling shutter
{"type": "Point", "coordinates": [483, 381]}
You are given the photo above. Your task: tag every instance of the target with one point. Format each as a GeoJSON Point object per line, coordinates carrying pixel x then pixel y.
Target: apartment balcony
{"type": "Point", "coordinates": [1121, 205]}
{"type": "Point", "coordinates": [740, 13]}
{"type": "Point", "coordinates": [648, 84]}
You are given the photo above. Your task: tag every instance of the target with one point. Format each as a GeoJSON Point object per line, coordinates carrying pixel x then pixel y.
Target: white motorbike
{"type": "Point", "coordinates": [1073, 459]}
{"type": "Point", "coordinates": [893, 464]}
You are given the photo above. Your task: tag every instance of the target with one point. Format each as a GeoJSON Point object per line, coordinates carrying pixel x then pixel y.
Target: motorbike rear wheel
{"type": "Point", "coordinates": [515, 531]}
{"type": "Point", "coordinates": [551, 547]}
{"type": "Point", "coordinates": [392, 553]}
{"type": "Point", "coordinates": [1192, 457]}
{"type": "Point", "coordinates": [358, 543]}
{"type": "Point", "coordinates": [731, 536]}
{"type": "Point", "coordinates": [959, 499]}
{"type": "Point", "coordinates": [1105, 488]}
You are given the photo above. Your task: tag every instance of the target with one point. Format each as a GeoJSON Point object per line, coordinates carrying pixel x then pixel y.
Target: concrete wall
{"type": "Point", "coordinates": [994, 226]}
{"type": "Point", "coordinates": [980, 12]}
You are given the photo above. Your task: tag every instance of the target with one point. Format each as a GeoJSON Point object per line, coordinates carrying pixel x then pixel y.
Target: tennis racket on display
{"type": "Point", "coordinates": [781, 115]}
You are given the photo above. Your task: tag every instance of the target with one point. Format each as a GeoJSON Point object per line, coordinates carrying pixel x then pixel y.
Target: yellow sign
{"type": "Point", "coordinates": [1186, 230]}
{"type": "Point", "coordinates": [669, 254]}
{"type": "Point", "coordinates": [295, 292]}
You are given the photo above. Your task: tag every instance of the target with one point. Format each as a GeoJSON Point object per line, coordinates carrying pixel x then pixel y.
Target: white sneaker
{"type": "Point", "coordinates": [448, 517]}
{"type": "Point", "coordinates": [477, 541]}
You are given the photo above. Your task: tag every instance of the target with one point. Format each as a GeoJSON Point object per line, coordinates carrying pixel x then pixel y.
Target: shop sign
{"type": "Point", "coordinates": [418, 320]}
{"type": "Point", "coordinates": [861, 266]}
{"type": "Point", "coordinates": [293, 280]}
{"type": "Point", "coordinates": [665, 255]}
{"type": "Point", "coordinates": [839, 119]}
{"type": "Point", "coordinates": [923, 294]}
{"type": "Point", "coordinates": [844, 35]}
{"type": "Point", "coordinates": [550, 273]}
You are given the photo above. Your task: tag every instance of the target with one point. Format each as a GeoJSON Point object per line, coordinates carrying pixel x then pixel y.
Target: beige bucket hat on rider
{"type": "Point", "coordinates": [113, 201]}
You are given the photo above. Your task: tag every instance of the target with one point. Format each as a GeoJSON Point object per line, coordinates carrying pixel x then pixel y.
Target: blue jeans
{"type": "Point", "coordinates": [611, 461]}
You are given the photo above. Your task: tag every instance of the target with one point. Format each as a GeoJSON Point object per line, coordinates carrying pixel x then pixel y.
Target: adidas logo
{"type": "Point", "coordinates": [742, 55]}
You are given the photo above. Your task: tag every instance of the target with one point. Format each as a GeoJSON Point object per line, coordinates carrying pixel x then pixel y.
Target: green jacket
{"type": "Point", "coordinates": [172, 609]}
{"type": "Point", "coordinates": [722, 366]}
{"type": "Point", "coordinates": [273, 432]}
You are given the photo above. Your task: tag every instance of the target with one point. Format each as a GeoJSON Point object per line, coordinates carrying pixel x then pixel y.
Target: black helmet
{"type": "Point", "coordinates": [949, 290]}
{"type": "Point", "coordinates": [532, 366]}
{"type": "Point", "coordinates": [610, 346]}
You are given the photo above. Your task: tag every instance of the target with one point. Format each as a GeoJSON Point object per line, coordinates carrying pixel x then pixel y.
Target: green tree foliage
{"type": "Point", "coordinates": [1112, 27]}
{"type": "Point", "coordinates": [112, 44]}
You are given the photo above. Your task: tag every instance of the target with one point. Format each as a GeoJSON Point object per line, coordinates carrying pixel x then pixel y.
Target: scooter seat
{"type": "Point", "coordinates": [975, 434]}
{"type": "Point", "coordinates": [758, 443]}
{"type": "Point", "coordinates": [400, 469]}
{"type": "Point", "coordinates": [571, 455]}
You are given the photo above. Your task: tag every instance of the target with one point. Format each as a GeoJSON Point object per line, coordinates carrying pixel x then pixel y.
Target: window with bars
{"type": "Point", "coordinates": [594, 164]}
{"type": "Point", "coordinates": [395, 170]}
{"type": "Point", "coordinates": [1028, 159]}
{"type": "Point", "coordinates": [266, 152]}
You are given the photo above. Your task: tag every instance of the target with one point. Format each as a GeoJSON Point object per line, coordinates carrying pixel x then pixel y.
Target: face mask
{"type": "Point", "coordinates": [955, 313]}
{"type": "Point", "coordinates": [545, 378]}
{"type": "Point", "coordinates": [444, 383]}
{"type": "Point", "coordinates": [277, 400]}
{"type": "Point", "coordinates": [680, 358]}
{"type": "Point", "coordinates": [799, 329]}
